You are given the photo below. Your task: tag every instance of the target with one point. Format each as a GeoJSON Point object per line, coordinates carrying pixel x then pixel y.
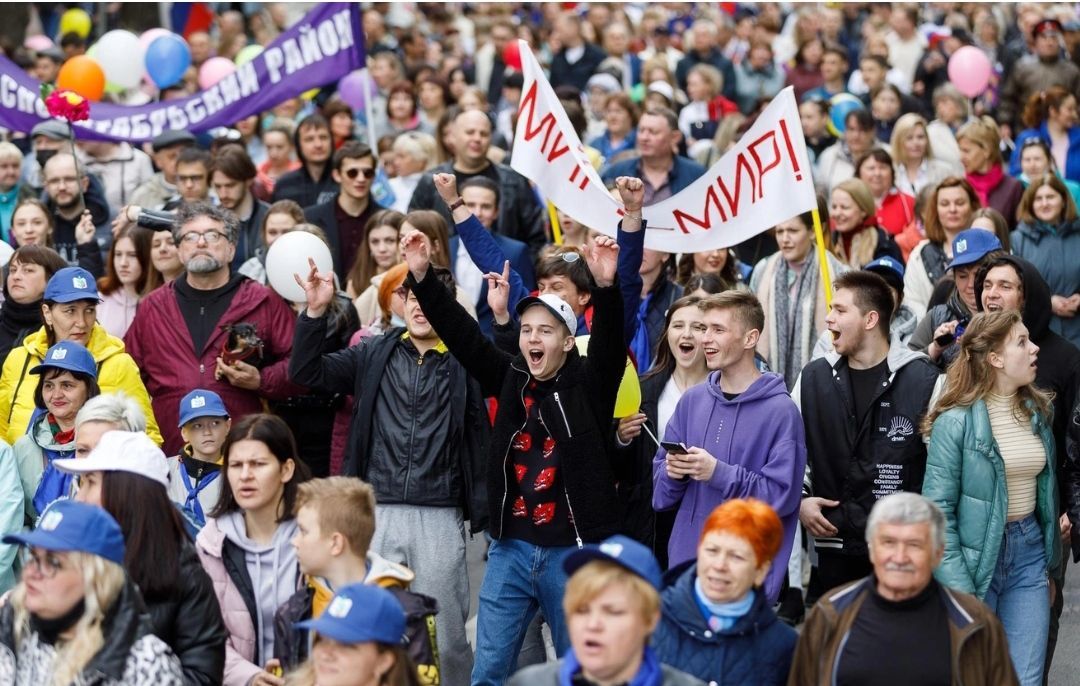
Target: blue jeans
{"type": "Point", "coordinates": [1019, 595]}
{"type": "Point", "coordinates": [520, 579]}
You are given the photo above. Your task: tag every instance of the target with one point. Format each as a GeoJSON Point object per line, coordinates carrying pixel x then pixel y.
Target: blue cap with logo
{"type": "Point", "coordinates": [360, 614]}
{"type": "Point", "coordinates": [971, 246]}
{"type": "Point", "coordinates": [68, 355]}
{"type": "Point", "coordinates": [68, 526]}
{"type": "Point", "coordinates": [200, 403]}
{"type": "Point", "coordinates": [71, 284]}
{"type": "Point", "coordinates": [890, 269]}
{"type": "Point", "coordinates": [623, 551]}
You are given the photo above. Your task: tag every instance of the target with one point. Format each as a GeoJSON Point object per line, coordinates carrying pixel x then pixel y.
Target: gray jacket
{"type": "Point", "coordinates": [547, 674]}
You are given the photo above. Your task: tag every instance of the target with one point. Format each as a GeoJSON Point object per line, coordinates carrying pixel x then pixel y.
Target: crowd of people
{"type": "Point", "coordinates": [855, 462]}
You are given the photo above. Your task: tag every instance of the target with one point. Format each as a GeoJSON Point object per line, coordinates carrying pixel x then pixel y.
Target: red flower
{"type": "Point", "coordinates": [544, 479]}
{"type": "Point", "coordinates": [543, 514]}
{"type": "Point", "coordinates": [68, 105]}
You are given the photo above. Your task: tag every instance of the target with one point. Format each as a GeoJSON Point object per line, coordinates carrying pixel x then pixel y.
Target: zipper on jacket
{"type": "Point", "coordinates": [558, 402]}
{"type": "Point", "coordinates": [570, 508]}
{"type": "Point", "coordinates": [412, 434]}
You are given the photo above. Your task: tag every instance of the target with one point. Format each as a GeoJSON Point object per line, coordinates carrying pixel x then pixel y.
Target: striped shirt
{"type": "Point", "coordinates": [1022, 451]}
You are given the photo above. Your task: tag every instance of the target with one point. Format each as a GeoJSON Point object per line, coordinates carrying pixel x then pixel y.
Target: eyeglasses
{"type": "Point", "coordinates": [47, 565]}
{"type": "Point", "coordinates": [1032, 142]}
{"type": "Point", "coordinates": [356, 171]}
{"type": "Point", "coordinates": [401, 292]}
{"type": "Point", "coordinates": [211, 237]}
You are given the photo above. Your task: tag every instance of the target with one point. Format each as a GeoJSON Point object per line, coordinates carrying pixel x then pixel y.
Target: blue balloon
{"type": "Point", "coordinates": [167, 58]}
{"type": "Point", "coordinates": [840, 106]}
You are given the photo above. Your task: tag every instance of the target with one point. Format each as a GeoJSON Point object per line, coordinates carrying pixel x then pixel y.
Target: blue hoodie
{"type": "Point", "coordinates": [760, 448]}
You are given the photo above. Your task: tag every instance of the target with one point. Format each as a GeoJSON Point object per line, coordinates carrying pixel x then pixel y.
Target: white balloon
{"type": "Point", "coordinates": [121, 57]}
{"type": "Point", "coordinates": [289, 255]}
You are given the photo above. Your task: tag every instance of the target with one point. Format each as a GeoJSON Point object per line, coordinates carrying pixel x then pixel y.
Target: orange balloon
{"type": "Point", "coordinates": [82, 75]}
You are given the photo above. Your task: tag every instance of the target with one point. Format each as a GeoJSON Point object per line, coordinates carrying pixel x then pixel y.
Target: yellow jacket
{"type": "Point", "coordinates": [116, 372]}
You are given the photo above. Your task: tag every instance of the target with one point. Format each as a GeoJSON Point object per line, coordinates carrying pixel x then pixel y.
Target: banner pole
{"type": "Point", "coordinates": [556, 230]}
{"type": "Point", "coordinates": [823, 260]}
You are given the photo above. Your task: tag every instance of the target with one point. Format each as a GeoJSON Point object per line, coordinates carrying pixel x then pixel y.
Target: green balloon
{"type": "Point", "coordinates": [247, 54]}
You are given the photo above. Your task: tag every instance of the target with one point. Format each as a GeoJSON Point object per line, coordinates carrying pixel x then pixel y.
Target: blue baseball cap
{"type": "Point", "coordinates": [71, 284]}
{"type": "Point", "coordinates": [623, 551]}
{"type": "Point", "coordinates": [68, 355]}
{"type": "Point", "coordinates": [360, 613]}
{"type": "Point", "coordinates": [200, 403]}
{"type": "Point", "coordinates": [70, 526]}
{"type": "Point", "coordinates": [889, 269]}
{"type": "Point", "coordinates": [971, 246]}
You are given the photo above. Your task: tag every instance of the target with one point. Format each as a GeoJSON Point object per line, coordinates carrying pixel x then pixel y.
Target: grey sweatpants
{"type": "Point", "coordinates": [431, 542]}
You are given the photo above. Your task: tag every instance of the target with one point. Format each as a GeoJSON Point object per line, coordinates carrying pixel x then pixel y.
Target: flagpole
{"type": "Point", "coordinates": [556, 230]}
{"type": "Point", "coordinates": [823, 260]}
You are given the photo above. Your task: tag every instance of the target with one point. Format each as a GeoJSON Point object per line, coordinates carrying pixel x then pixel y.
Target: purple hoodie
{"type": "Point", "coordinates": [760, 448]}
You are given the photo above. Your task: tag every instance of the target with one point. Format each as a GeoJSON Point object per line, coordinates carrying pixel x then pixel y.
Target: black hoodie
{"type": "Point", "coordinates": [1059, 372]}
{"type": "Point", "coordinates": [298, 185]}
{"type": "Point", "coordinates": [89, 255]}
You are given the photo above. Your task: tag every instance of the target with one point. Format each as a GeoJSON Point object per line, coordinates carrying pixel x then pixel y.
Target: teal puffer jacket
{"type": "Point", "coordinates": [965, 477]}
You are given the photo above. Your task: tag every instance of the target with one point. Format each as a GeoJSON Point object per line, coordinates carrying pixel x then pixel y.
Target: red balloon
{"type": "Point", "coordinates": [82, 75]}
{"type": "Point", "coordinates": [511, 55]}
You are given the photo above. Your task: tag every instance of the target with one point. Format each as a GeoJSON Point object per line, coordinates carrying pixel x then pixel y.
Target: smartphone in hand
{"type": "Point", "coordinates": [674, 448]}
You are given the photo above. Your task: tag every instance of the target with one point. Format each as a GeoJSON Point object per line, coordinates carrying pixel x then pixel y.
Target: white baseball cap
{"type": "Point", "coordinates": [122, 451]}
{"type": "Point", "coordinates": [554, 304]}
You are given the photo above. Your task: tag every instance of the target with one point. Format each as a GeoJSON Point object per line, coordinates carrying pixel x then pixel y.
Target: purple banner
{"type": "Point", "coordinates": [324, 46]}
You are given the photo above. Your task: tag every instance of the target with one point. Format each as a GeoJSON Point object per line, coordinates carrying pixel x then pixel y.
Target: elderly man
{"type": "Point", "coordinates": [180, 337]}
{"type": "Point", "coordinates": [664, 172]}
{"type": "Point", "coordinates": [899, 625]}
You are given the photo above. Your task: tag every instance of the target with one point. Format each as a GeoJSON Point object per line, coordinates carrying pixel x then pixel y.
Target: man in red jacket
{"type": "Point", "coordinates": [179, 331]}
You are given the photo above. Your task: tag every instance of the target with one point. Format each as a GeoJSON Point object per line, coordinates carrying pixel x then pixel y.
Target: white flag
{"type": "Point", "coordinates": [763, 180]}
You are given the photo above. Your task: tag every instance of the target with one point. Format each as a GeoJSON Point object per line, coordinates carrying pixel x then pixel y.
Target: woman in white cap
{"type": "Point", "coordinates": [67, 378]}
{"type": "Point", "coordinates": [612, 606]}
{"type": "Point", "coordinates": [75, 617]}
{"type": "Point", "coordinates": [69, 308]}
{"type": "Point", "coordinates": [127, 475]}
{"type": "Point", "coordinates": [357, 642]}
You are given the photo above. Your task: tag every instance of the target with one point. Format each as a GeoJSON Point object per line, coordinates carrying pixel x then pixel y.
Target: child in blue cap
{"type": "Point", "coordinates": [194, 482]}
{"type": "Point", "coordinates": [358, 642]}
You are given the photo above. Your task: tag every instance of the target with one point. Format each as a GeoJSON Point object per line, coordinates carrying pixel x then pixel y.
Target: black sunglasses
{"type": "Point", "coordinates": [354, 172]}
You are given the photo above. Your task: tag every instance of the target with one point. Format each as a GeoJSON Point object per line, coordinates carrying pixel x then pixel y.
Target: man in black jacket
{"type": "Point", "coordinates": [520, 215]}
{"type": "Point", "coordinates": [578, 59]}
{"type": "Point", "coordinates": [418, 436]}
{"type": "Point", "coordinates": [312, 183]}
{"type": "Point", "coordinates": [861, 407]}
{"type": "Point", "coordinates": [232, 174]}
{"type": "Point", "coordinates": [550, 477]}
{"type": "Point", "coordinates": [344, 215]}
{"type": "Point", "coordinates": [70, 194]}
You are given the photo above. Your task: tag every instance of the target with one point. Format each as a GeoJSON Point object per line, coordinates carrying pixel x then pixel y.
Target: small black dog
{"type": "Point", "coordinates": [243, 345]}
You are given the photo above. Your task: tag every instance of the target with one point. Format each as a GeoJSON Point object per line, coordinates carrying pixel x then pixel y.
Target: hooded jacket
{"type": "Point", "coordinates": [1055, 253]}
{"type": "Point", "coordinates": [229, 557]}
{"type": "Point", "coordinates": [88, 255]}
{"type": "Point", "coordinates": [856, 462]}
{"type": "Point", "coordinates": [755, 651]}
{"type": "Point", "coordinates": [116, 371]}
{"type": "Point", "coordinates": [298, 185]}
{"type": "Point", "coordinates": [131, 655]}
{"type": "Point", "coordinates": [758, 442]}
{"type": "Point", "coordinates": [977, 643]}
{"type": "Point", "coordinates": [1059, 372]}
{"type": "Point", "coordinates": [160, 343]}
{"type": "Point", "coordinates": [292, 645]}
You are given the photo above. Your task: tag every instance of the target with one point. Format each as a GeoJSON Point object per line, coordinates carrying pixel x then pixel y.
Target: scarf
{"type": "Point", "coordinates": [794, 325]}
{"type": "Point", "coordinates": [17, 320]}
{"type": "Point", "coordinates": [721, 616]}
{"type": "Point", "coordinates": [984, 183]}
{"type": "Point", "coordinates": [49, 630]}
{"type": "Point", "coordinates": [857, 248]}
{"type": "Point", "coordinates": [649, 674]}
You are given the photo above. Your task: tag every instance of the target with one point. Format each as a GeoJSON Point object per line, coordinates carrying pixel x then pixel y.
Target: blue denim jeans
{"type": "Point", "coordinates": [1019, 595]}
{"type": "Point", "coordinates": [520, 579]}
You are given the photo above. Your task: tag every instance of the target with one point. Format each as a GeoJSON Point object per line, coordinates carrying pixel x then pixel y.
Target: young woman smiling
{"type": "Point", "coordinates": [129, 275]}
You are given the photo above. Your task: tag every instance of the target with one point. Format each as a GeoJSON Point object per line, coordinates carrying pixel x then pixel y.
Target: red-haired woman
{"type": "Point", "coordinates": [717, 624]}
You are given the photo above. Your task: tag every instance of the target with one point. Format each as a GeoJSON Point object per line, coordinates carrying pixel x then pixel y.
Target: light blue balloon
{"type": "Point", "coordinates": [167, 58]}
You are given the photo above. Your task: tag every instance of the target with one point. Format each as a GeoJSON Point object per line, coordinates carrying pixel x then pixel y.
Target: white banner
{"type": "Point", "coordinates": [763, 180]}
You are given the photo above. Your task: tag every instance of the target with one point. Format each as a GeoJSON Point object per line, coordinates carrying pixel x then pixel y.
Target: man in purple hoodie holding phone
{"type": "Point", "coordinates": [738, 435]}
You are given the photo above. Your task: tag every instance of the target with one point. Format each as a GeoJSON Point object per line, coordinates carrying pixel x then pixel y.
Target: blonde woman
{"type": "Point", "coordinates": [53, 629]}
{"type": "Point", "coordinates": [980, 153]}
{"type": "Point", "coordinates": [857, 239]}
{"type": "Point", "coordinates": [990, 468]}
{"type": "Point", "coordinates": [913, 156]}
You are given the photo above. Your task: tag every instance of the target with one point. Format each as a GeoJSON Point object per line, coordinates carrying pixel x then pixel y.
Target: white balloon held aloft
{"type": "Point", "coordinates": [288, 256]}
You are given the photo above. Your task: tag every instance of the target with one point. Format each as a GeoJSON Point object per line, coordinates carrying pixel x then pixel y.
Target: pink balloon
{"type": "Point", "coordinates": [38, 43]}
{"type": "Point", "coordinates": [150, 36]}
{"type": "Point", "coordinates": [970, 70]}
{"type": "Point", "coordinates": [214, 70]}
